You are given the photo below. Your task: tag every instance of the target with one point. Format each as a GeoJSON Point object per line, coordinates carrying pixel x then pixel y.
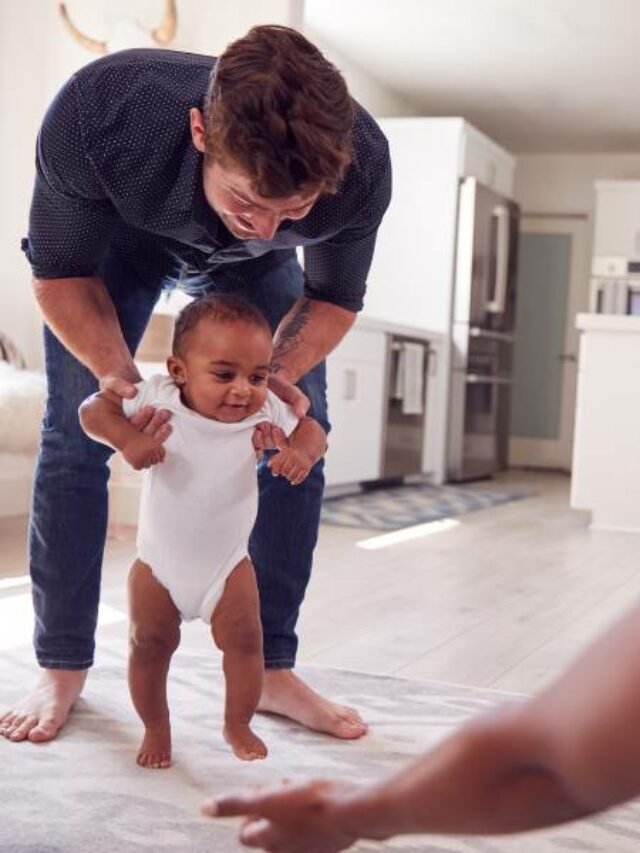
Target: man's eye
{"type": "Point", "coordinates": [243, 202]}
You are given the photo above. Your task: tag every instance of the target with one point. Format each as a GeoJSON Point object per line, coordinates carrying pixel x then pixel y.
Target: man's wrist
{"type": "Point", "coordinates": [278, 370]}
{"type": "Point", "coordinates": [114, 361]}
{"type": "Point", "coordinates": [128, 372]}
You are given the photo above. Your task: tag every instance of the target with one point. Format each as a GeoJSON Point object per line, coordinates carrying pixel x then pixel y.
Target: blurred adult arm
{"type": "Point", "coordinates": [571, 751]}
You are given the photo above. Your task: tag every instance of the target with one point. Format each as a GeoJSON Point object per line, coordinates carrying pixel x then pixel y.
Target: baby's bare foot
{"type": "Point", "coordinates": [155, 749]}
{"type": "Point", "coordinates": [243, 742]}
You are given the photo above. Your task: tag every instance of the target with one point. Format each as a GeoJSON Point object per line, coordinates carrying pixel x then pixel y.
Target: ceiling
{"type": "Point", "coordinates": [537, 75]}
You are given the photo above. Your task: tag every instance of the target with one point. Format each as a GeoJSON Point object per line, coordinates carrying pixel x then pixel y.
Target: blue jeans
{"type": "Point", "coordinates": [69, 512]}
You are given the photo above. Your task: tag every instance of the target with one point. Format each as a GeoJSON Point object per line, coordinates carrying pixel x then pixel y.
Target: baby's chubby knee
{"type": "Point", "coordinates": [242, 636]}
{"type": "Point", "coordinates": [153, 642]}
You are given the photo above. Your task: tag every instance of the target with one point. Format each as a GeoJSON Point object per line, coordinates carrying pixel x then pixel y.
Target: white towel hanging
{"type": "Point", "coordinates": [409, 379]}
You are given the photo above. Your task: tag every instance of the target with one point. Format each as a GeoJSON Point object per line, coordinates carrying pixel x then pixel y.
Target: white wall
{"type": "Point", "coordinates": [36, 57]}
{"type": "Point", "coordinates": [563, 183]}
{"type": "Point", "coordinates": [377, 98]}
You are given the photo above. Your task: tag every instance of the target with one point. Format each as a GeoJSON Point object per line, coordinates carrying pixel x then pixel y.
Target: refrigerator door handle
{"type": "Point", "coordinates": [479, 379]}
{"type": "Point", "coordinates": [477, 332]}
{"type": "Point", "coordinates": [497, 304]}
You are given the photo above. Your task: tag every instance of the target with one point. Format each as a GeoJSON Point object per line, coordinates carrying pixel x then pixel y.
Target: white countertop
{"type": "Point", "coordinates": [607, 323]}
{"type": "Point", "coordinates": [398, 329]}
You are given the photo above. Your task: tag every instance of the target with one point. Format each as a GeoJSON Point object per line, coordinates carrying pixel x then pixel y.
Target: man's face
{"type": "Point", "coordinates": [227, 188]}
{"type": "Point", "coordinates": [247, 215]}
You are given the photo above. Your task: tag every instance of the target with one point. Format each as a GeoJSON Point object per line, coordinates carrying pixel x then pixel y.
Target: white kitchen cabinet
{"type": "Point", "coordinates": [356, 379]}
{"type": "Point", "coordinates": [617, 219]}
{"type": "Point", "coordinates": [482, 159]}
{"type": "Point", "coordinates": [606, 459]}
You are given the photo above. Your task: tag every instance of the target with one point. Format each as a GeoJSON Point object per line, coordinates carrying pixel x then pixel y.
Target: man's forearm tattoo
{"type": "Point", "coordinates": [291, 336]}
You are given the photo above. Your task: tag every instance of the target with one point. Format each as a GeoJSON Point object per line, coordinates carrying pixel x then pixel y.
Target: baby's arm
{"type": "Point", "coordinates": [307, 444]}
{"type": "Point", "coordinates": [102, 418]}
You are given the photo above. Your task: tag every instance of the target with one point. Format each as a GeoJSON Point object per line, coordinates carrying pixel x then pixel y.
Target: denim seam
{"type": "Point", "coordinates": [280, 663]}
{"type": "Point", "coordinates": [79, 663]}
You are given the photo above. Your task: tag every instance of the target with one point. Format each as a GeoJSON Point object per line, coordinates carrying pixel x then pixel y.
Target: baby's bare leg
{"type": "Point", "coordinates": [238, 634]}
{"type": "Point", "coordinates": [153, 637]}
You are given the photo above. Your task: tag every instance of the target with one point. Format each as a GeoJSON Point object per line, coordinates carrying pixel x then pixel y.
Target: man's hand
{"type": "Point", "coordinates": [291, 819]}
{"type": "Point", "coordinates": [290, 393]}
{"type": "Point", "coordinates": [119, 386]}
{"type": "Point", "coordinates": [148, 420]}
{"type": "Point", "coordinates": [143, 451]}
{"type": "Point", "coordinates": [267, 436]}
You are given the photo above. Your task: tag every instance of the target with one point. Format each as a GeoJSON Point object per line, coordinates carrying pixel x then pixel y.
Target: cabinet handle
{"type": "Point", "coordinates": [350, 384]}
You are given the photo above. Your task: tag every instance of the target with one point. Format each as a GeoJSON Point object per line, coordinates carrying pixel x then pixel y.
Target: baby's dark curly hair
{"type": "Point", "coordinates": [212, 306]}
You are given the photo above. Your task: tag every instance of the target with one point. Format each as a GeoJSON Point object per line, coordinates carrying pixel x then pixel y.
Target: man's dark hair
{"type": "Point", "coordinates": [222, 309]}
{"type": "Point", "coordinates": [282, 112]}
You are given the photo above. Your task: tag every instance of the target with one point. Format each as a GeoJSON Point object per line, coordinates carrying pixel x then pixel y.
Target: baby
{"type": "Point", "coordinates": [199, 503]}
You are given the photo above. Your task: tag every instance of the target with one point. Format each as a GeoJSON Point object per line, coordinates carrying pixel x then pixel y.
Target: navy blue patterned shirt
{"type": "Point", "coordinates": [116, 166]}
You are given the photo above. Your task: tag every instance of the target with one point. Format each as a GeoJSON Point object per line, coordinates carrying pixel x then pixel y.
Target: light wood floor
{"type": "Point", "coordinates": [503, 600]}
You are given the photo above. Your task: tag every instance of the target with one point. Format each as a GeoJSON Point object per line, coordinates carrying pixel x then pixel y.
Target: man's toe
{"type": "Point", "coordinates": [45, 730]}
{"type": "Point", "coordinates": [22, 726]}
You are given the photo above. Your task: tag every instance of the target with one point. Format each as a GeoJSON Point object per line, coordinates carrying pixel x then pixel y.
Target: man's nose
{"type": "Point", "coordinates": [266, 224]}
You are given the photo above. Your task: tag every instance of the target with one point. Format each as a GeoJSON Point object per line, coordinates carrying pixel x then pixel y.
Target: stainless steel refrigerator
{"type": "Point", "coordinates": [482, 334]}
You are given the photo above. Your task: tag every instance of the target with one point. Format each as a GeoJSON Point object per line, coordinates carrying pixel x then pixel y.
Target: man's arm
{"type": "Point", "coordinates": [82, 316]}
{"type": "Point", "coordinates": [306, 334]}
{"type": "Point", "coordinates": [102, 418]}
{"type": "Point", "coordinates": [79, 311]}
{"type": "Point", "coordinates": [569, 752]}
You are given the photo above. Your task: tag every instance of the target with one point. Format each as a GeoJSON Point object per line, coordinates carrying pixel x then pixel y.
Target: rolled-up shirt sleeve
{"type": "Point", "coordinates": [71, 218]}
{"type": "Point", "coordinates": [336, 269]}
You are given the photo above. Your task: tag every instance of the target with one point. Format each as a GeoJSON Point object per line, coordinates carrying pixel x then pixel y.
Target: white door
{"type": "Point", "coordinates": [552, 287]}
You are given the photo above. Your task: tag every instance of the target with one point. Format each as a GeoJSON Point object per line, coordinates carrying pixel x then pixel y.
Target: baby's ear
{"type": "Point", "coordinates": [175, 366]}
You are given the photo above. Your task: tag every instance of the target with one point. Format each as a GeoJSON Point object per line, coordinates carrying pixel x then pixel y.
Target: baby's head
{"type": "Point", "coordinates": [221, 353]}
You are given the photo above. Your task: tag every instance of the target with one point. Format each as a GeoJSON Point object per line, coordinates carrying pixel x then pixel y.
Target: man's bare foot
{"type": "Point", "coordinates": [243, 742]}
{"type": "Point", "coordinates": [41, 715]}
{"type": "Point", "coordinates": [155, 749]}
{"type": "Point", "coordinates": [285, 694]}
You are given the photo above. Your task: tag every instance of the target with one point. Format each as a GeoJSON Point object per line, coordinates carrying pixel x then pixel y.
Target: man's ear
{"type": "Point", "coordinates": [177, 372]}
{"type": "Point", "coordinates": [197, 129]}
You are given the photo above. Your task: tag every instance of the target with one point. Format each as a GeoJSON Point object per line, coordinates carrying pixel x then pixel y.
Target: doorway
{"type": "Point", "coordinates": [552, 287]}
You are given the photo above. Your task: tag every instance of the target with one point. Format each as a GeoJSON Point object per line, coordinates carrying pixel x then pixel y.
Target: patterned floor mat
{"type": "Point", "coordinates": [406, 505]}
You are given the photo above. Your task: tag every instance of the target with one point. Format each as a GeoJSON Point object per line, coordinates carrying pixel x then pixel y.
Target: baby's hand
{"type": "Point", "coordinates": [143, 451]}
{"type": "Point", "coordinates": [290, 463]}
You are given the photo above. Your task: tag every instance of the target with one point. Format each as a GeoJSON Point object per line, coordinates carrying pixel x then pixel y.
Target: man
{"type": "Point", "coordinates": [567, 753]}
{"type": "Point", "coordinates": [157, 169]}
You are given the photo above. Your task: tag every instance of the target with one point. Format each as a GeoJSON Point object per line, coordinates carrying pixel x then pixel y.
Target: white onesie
{"type": "Point", "coordinates": [198, 506]}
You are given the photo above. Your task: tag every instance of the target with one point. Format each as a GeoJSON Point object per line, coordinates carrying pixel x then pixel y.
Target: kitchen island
{"type": "Point", "coordinates": [606, 455]}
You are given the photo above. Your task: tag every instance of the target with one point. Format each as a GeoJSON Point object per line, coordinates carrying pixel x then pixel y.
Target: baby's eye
{"type": "Point", "coordinates": [258, 379]}
{"type": "Point", "coordinates": [224, 377]}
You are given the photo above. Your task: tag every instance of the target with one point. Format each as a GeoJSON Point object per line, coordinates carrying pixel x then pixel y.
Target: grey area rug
{"type": "Point", "coordinates": [404, 506]}
{"type": "Point", "coordinates": [84, 792]}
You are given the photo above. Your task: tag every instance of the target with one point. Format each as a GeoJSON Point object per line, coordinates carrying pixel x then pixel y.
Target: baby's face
{"type": "Point", "coordinates": [225, 368]}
